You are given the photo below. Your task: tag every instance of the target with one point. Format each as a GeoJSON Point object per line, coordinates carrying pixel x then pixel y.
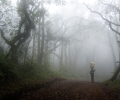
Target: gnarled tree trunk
{"type": "Point", "coordinates": [21, 37]}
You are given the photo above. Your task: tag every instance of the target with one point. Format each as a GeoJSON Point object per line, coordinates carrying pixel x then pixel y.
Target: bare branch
{"type": "Point", "coordinates": [112, 6]}
{"type": "Point", "coordinates": [54, 48]}
{"type": "Point", "coordinates": [101, 16]}
{"type": "Point", "coordinates": [6, 40]}
{"type": "Point", "coordinates": [56, 55]}
{"type": "Point", "coordinates": [113, 29]}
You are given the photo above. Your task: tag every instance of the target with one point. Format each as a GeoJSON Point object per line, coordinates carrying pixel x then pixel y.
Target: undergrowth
{"type": "Point", "coordinates": [115, 85]}
{"type": "Point", "coordinates": [14, 77]}
{"type": "Point", "coordinates": [12, 72]}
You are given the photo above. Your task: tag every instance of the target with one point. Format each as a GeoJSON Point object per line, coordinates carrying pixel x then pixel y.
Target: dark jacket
{"type": "Point", "coordinates": [92, 71]}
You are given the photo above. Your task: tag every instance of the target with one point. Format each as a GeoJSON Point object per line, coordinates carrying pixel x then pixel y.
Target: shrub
{"type": "Point", "coordinates": [7, 70]}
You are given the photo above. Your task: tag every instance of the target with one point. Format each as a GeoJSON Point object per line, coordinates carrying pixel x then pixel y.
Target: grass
{"type": "Point", "coordinates": [68, 75]}
{"type": "Point", "coordinates": [113, 85]}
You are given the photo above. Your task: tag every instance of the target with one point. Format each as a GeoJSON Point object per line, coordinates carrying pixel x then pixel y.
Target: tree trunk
{"type": "Point", "coordinates": [26, 51]}
{"type": "Point", "coordinates": [38, 56]}
{"type": "Point", "coordinates": [46, 52]}
{"type": "Point", "coordinates": [14, 57]}
{"type": "Point", "coordinates": [66, 59]}
{"type": "Point", "coordinates": [33, 49]}
{"type": "Point", "coordinates": [115, 74]}
{"type": "Point", "coordinates": [18, 40]}
{"type": "Point", "coordinates": [61, 58]}
{"type": "Point", "coordinates": [53, 60]}
{"type": "Point", "coordinates": [42, 43]}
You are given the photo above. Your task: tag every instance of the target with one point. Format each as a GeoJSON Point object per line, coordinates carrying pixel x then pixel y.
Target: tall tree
{"type": "Point", "coordinates": [43, 36]}
{"type": "Point", "coordinates": [112, 9]}
{"type": "Point", "coordinates": [21, 37]}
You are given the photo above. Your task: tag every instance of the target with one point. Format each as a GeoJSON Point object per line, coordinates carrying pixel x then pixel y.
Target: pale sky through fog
{"type": "Point", "coordinates": [53, 8]}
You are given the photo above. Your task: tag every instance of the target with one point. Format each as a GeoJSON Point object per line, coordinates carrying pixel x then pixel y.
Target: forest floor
{"type": "Point", "coordinates": [72, 90]}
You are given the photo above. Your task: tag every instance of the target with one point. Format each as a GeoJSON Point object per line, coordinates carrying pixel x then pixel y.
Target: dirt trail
{"type": "Point", "coordinates": [68, 90]}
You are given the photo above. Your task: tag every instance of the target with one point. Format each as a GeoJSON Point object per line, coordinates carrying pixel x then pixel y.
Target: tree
{"type": "Point", "coordinates": [41, 30]}
{"type": "Point", "coordinates": [21, 37]}
{"type": "Point", "coordinates": [30, 15]}
{"type": "Point", "coordinates": [111, 45]}
{"type": "Point", "coordinates": [112, 17]}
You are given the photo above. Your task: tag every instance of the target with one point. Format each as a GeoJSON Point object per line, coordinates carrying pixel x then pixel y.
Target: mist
{"type": "Point", "coordinates": [72, 36]}
{"type": "Point", "coordinates": [59, 49]}
{"type": "Point", "coordinates": [90, 41]}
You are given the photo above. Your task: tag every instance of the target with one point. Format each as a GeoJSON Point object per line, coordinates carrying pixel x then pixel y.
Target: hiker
{"type": "Point", "coordinates": [92, 71]}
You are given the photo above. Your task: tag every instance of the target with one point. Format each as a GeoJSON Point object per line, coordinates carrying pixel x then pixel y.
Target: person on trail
{"type": "Point", "coordinates": [92, 71]}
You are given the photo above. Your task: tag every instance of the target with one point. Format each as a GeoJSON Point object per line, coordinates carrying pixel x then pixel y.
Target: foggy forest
{"type": "Point", "coordinates": [59, 49]}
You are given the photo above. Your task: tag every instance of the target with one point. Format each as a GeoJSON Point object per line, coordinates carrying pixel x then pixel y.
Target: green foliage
{"type": "Point", "coordinates": [11, 72]}
{"type": "Point", "coordinates": [14, 77]}
{"type": "Point", "coordinates": [66, 74]}
{"type": "Point", "coordinates": [7, 70]}
{"type": "Point", "coordinates": [32, 72]}
{"type": "Point", "coordinates": [113, 85]}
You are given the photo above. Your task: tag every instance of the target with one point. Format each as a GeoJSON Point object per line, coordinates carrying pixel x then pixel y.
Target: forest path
{"type": "Point", "coordinates": [68, 90]}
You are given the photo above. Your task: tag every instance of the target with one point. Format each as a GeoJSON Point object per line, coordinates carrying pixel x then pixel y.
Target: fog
{"type": "Point", "coordinates": [77, 36]}
{"type": "Point", "coordinates": [89, 42]}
